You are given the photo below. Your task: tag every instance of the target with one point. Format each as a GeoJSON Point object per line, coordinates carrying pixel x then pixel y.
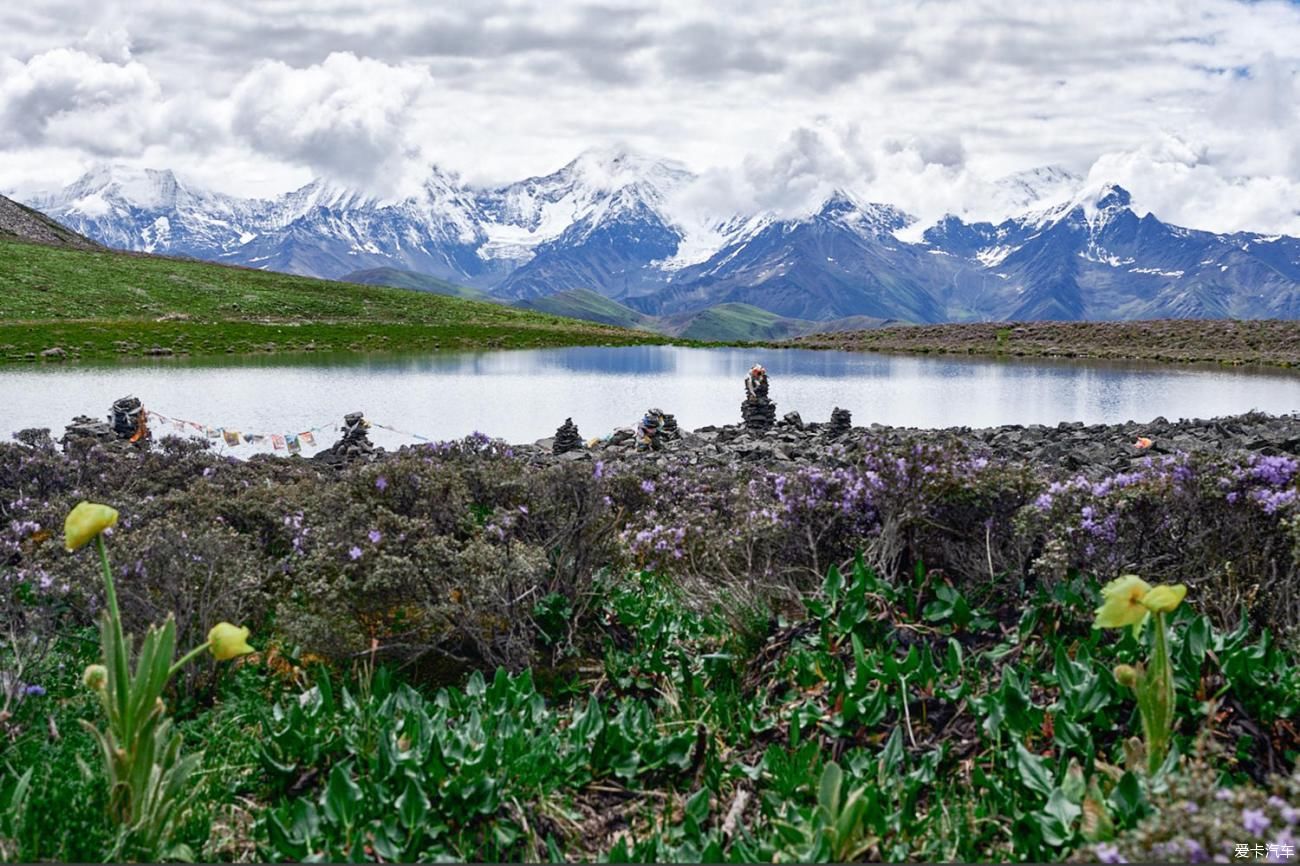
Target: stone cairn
{"type": "Point", "coordinates": [355, 444]}
{"type": "Point", "coordinates": [128, 419]}
{"type": "Point", "coordinates": [841, 422]}
{"type": "Point", "coordinates": [758, 412]}
{"type": "Point", "coordinates": [650, 431]}
{"type": "Point", "coordinates": [669, 430]}
{"type": "Point", "coordinates": [125, 424]}
{"type": "Point", "coordinates": [88, 431]}
{"type": "Point", "coordinates": [567, 438]}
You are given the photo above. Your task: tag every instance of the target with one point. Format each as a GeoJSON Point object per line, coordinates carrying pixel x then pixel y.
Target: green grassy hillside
{"type": "Point", "coordinates": [113, 304]}
{"type": "Point", "coordinates": [588, 305]}
{"type": "Point", "coordinates": [737, 322]}
{"type": "Point", "coordinates": [400, 279]}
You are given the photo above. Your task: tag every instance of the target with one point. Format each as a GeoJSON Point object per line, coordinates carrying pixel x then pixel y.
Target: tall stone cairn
{"type": "Point", "coordinates": [567, 438]}
{"type": "Point", "coordinates": [757, 411]}
{"type": "Point", "coordinates": [841, 422]}
{"type": "Point", "coordinates": [355, 444]}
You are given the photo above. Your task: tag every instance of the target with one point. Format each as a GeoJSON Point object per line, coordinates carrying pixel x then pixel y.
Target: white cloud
{"type": "Point", "coordinates": [345, 118]}
{"type": "Point", "coordinates": [918, 103]}
{"type": "Point", "coordinates": [70, 98]}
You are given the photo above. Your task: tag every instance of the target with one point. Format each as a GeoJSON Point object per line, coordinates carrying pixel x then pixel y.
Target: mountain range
{"type": "Point", "coordinates": [614, 223]}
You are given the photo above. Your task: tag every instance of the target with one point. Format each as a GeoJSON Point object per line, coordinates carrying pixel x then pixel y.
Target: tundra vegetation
{"type": "Point", "coordinates": [910, 652]}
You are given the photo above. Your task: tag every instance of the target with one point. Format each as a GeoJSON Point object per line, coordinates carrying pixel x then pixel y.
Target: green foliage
{"type": "Point", "coordinates": [885, 720]}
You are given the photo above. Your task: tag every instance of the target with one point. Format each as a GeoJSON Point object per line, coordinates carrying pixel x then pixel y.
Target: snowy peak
{"type": "Point", "coordinates": [870, 219]}
{"type": "Point", "coordinates": [106, 186]}
{"type": "Point", "coordinates": [607, 170]}
{"type": "Point", "coordinates": [1036, 188]}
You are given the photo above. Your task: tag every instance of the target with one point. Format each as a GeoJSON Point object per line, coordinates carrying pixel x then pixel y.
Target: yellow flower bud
{"type": "Point", "coordinates": [85, 522]}
{"type": "Point", "coordinates": [228, 641]}
{"type": "Point", "coordinates": [1165, 597]}
{"type": "Point", "coordinates": [1122, 602]}
{"type": "Point", "coordinates": [95, 677]}
{"type": "Point", "coordinates": [1127, 676]}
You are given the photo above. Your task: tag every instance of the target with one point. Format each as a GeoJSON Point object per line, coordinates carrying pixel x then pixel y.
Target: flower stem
{"type": "Point", "coordinates": [187, 658]}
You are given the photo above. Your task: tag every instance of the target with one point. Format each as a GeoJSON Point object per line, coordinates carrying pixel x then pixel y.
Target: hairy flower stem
{"type": "Point", "coordinates": [1159, 684]}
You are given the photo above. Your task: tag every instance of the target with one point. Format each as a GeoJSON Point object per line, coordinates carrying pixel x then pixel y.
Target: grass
{"type": "Point", "coordinates": [588, 305]}
{"type": "Point", "coordinates": [741, 322]}
{"type": "Point", "coordinates": [400, 279]}
{"type": "Point", "coordinates": [100, 305]}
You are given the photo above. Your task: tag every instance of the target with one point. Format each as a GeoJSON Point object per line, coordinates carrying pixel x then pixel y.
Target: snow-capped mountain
{"type": "Point", "coordinates": [611, 221]}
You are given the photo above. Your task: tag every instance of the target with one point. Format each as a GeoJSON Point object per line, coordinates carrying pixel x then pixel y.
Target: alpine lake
{"type": "Point", "coordinates": [524, 395]}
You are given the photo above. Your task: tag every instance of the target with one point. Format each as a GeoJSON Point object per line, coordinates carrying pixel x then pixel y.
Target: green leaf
{"type": "Point", "coordinates": [412, 805]}
{"type": "Point", "coordinates": [1057, 822]}
{"type": "Point", "coordinates": [1033, 771]}
{"type": "Point", "coordinates": [891, 757]}
{"type": "Point", "coordinates": [828, 791]}
{"type": "Point", "coordinates": [1127, 800]}
{"type": "Point", "coordinates": [343, 797]}
{"type": "Point", "coordinates": [1075, 785]}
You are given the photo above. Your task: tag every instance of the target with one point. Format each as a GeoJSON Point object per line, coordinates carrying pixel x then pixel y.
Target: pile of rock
{"type": "Point", "coordinates": [841, 422]}
{"type": "Point", "coordinates": [355, 444]}
{"type": "Point", "coordinates": [128, 419]}
{"type": "Point", "coordinates": [757, 412]}
{"type": "Point", "coordinates": [85, 430]}
{"type": "Point", "coordinates": [567, 438]}
{"type": "Point", "coordinates": [669, 429]}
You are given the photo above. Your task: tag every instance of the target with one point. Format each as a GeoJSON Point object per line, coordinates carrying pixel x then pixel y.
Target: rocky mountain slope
{"type": "Point", "coordinates": [21, 223]}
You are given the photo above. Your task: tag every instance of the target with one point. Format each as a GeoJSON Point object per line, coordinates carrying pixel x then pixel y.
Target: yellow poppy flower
{"type": "Point", "coordinates": [1121, 603]}
{"type": "Point", "coordinates": [1165, 597]}
{"type": "Point", "coordinates": [228, 641]}
{"type": "Point", "coordinates": [95, 677]}
{"type": "Point", "coordinates": [85, 522]}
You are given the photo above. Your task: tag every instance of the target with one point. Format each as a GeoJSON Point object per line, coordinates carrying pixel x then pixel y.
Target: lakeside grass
{"type": "Point", "coordinates": [104, 305]}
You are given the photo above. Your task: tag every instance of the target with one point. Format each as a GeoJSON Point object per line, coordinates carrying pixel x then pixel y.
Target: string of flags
{"type": "Point", "coordinates": [293, 443]}
{"type": "Point", "coordinates": [401, 432]}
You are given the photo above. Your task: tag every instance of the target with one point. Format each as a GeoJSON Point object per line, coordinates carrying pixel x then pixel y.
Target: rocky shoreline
{"type": "Point", "coordinates": [1256, 342]}
{"type": "Point", "coordinates": [1066, 448]}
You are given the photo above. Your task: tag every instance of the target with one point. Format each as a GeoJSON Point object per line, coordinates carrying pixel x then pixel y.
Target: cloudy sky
{"type": "Point", "coordinates": [1192, 105]}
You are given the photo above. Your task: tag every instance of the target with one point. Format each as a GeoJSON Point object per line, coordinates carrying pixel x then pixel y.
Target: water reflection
{"type": "Point", "coordinates": [524, 395]}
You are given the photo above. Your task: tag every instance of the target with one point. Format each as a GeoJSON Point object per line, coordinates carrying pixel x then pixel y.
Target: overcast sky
{"type": "Point", "coordinates": [1192, 104]}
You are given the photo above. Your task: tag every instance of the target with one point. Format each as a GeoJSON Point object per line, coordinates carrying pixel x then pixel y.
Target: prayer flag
{"type": "Point", "coordinates": [307, 437]}
{"type": "Point", "coordinates": [232, 437]}
{"type": "Point", "coordinates": [277, 441]}
{"type": "Point", "coordinates": [292, 441]}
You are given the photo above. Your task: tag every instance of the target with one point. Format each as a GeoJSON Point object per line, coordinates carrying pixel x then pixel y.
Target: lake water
{"type": "Point", "coordinates": [521, 396]}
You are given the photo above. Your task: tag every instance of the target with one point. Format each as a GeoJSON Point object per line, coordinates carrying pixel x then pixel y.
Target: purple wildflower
{"type": "Point", "coordinates": [1108, 853]}
{"type": "Point", "coordinates": [374, 535]}
{"type": "Point", "coordinates": [355, 553]}
{"type": "Point", "coordinates": [1254, 821]}
{"type": "Point", "coordinates": [381, 483]}
{"type": "Point", "coordinates": [34, 690]}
